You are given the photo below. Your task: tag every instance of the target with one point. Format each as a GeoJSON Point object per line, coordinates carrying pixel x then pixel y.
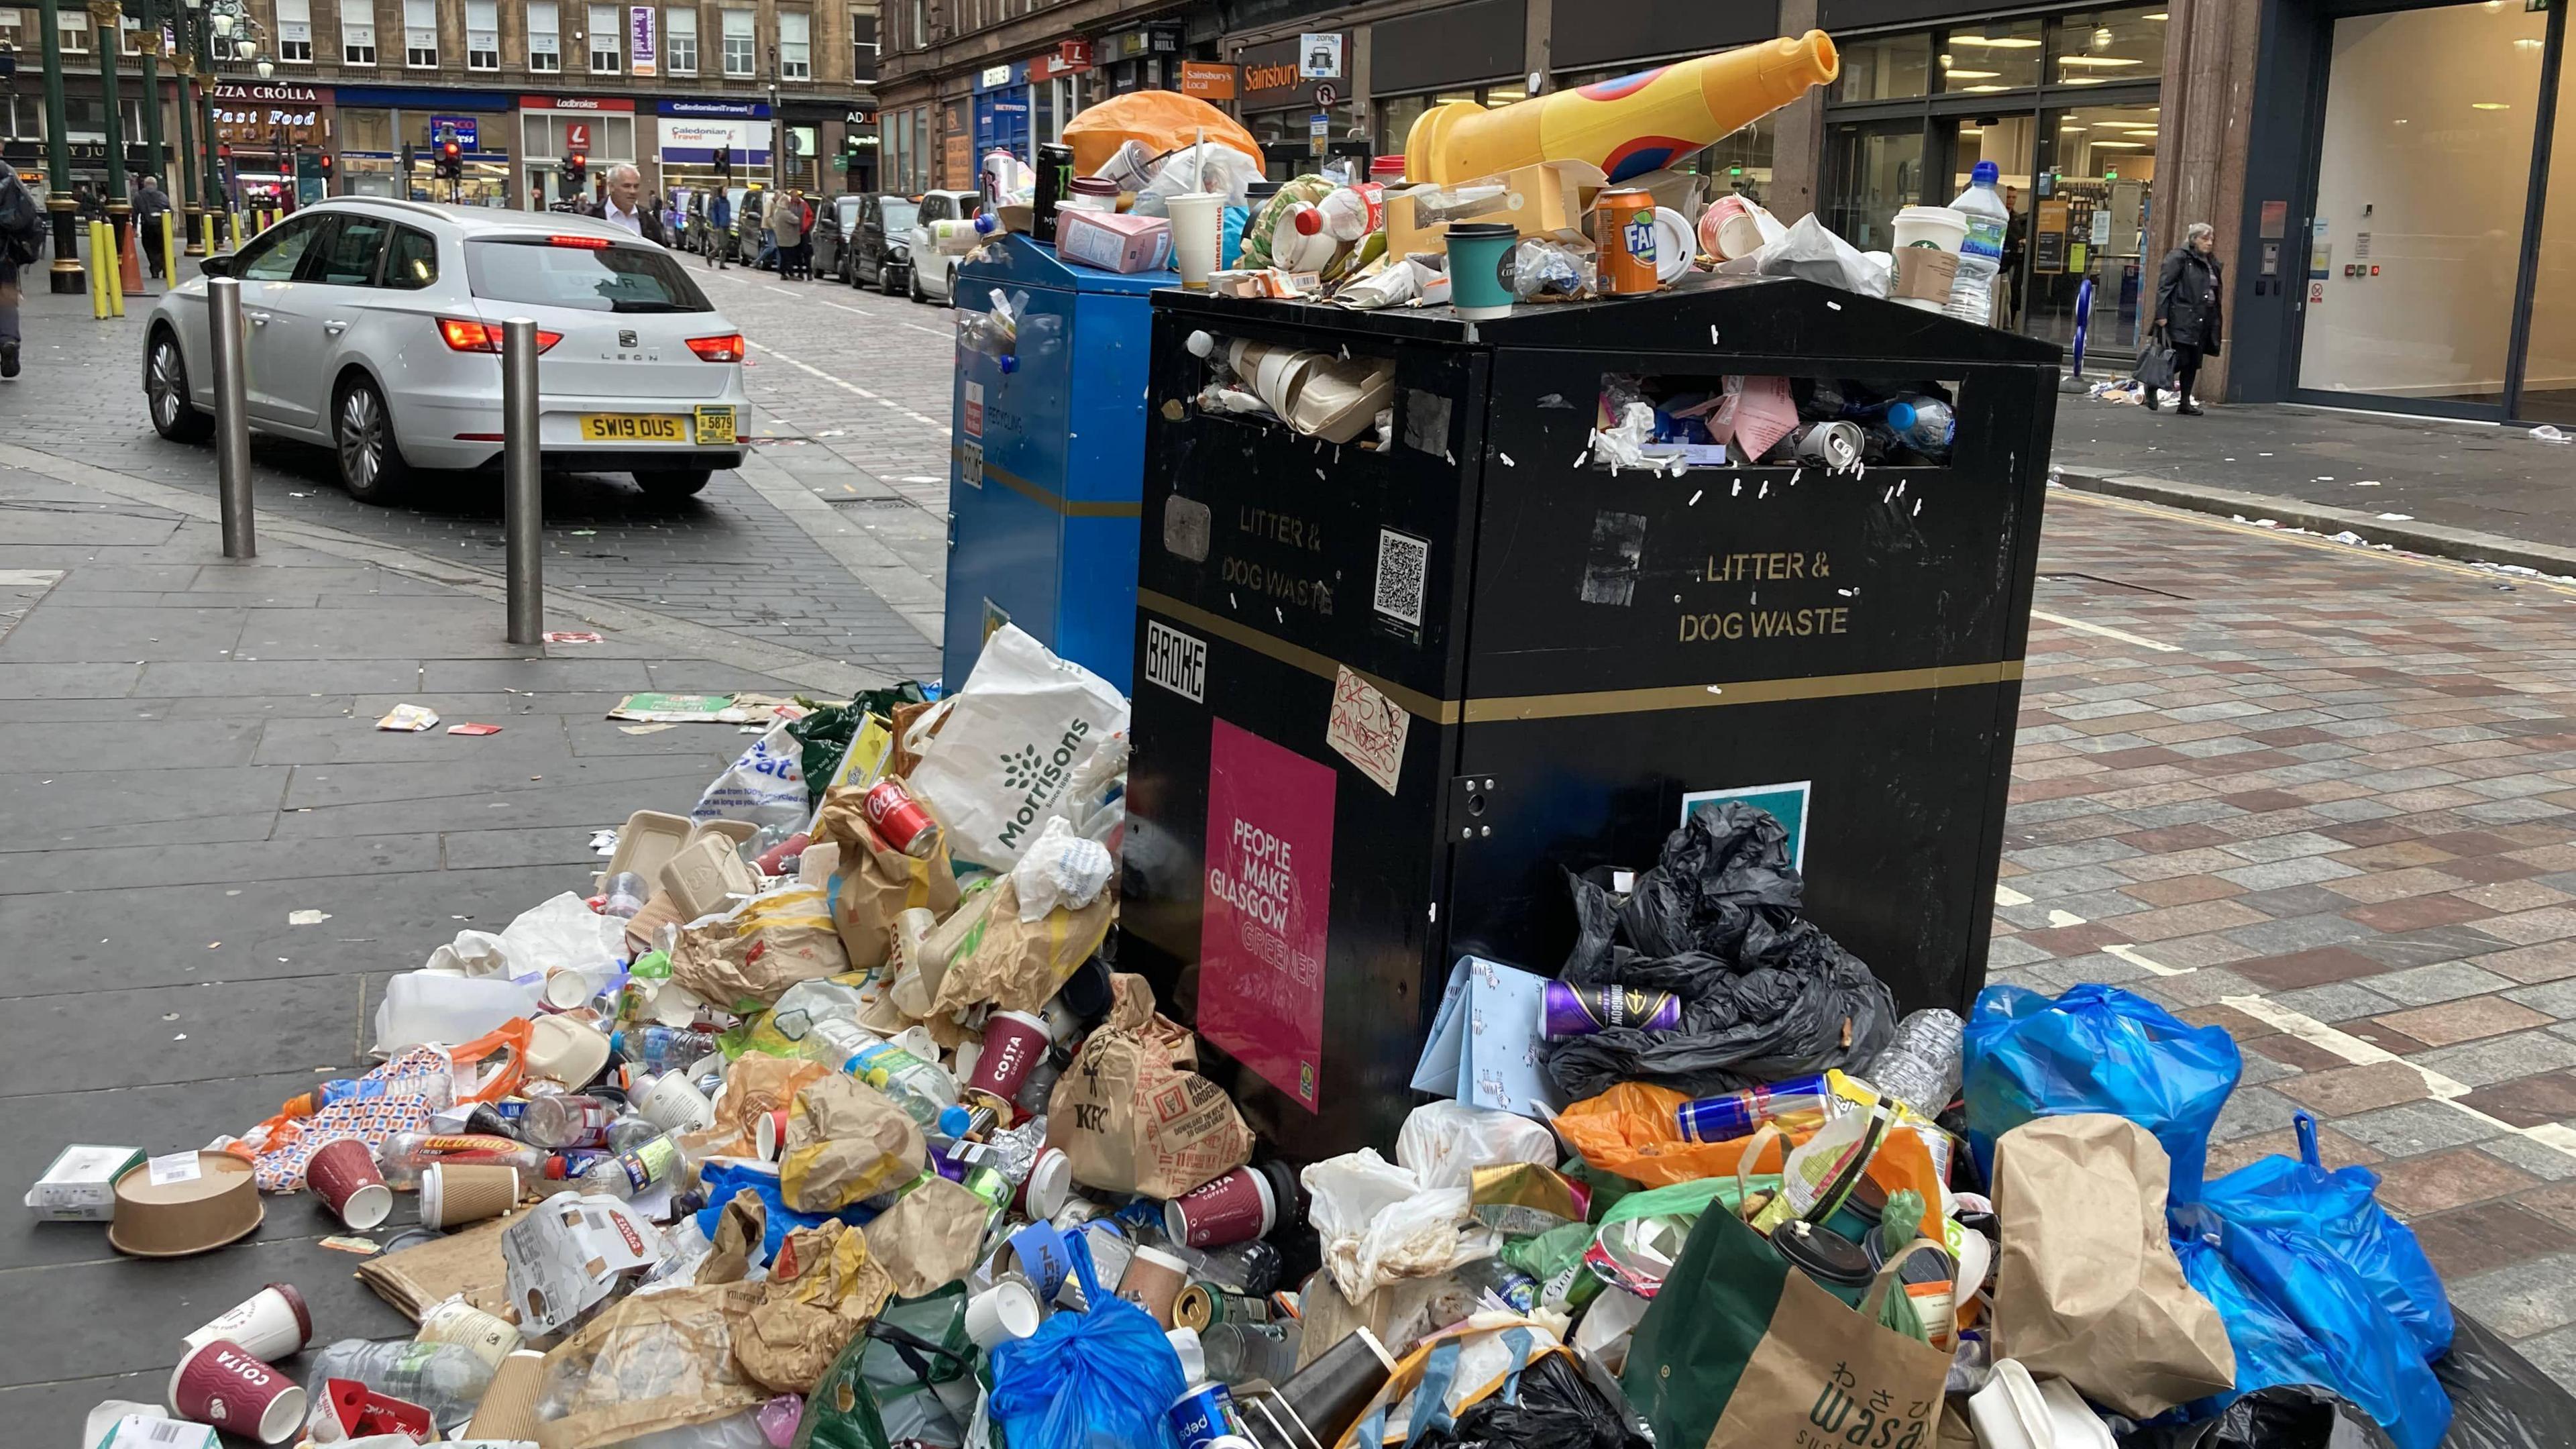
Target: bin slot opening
{"type": "Point", "coordinates": [1341, 396]}
{"type": "Point", "coordinates": [1675, 422]}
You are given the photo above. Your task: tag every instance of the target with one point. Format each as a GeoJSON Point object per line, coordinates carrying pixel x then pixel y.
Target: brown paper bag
{"type": "Point", "coordinates": [747, 957]}
{"type": "Point", "coordinates": [823, 1289]}
{"type": "Point", "coordinates": [659, 1361]}
{"type": "Point", "coordinates": [929, 1239]}
{"type": "Point", "coordinates": [466, 1262]}
{"type": "Point", "coordinates": [2087, 1286]}
{"type": "Point", "coordinates": [845, 1141]}
{"type": "Point", "coordinates": [1018, 964]}
{"type": "Point", "coordinates": [876, 882]}
{"type": "Point", "coordinates": [740, 1230]}
{"type": "Point", "coordinates": [756, 1085]}
{"type": "Point", "coordinates": [899, 761]}
{"type": "Point", "coordinates": [1133, 1116]}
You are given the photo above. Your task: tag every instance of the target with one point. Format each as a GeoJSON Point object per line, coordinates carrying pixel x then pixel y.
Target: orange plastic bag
{"type": "Point", "coordinates": [1163, 120]}
{"type": "Point", "coordinates": [1631, 1130]}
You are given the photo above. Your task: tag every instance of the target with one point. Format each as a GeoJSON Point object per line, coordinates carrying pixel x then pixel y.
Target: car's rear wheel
{"type": "Point", "coordinates": [165, 392]}
{"type": "Point", "coordinates": [674, 483]}
{"type": "Point", "coordinates": [886, 274]}
{"type": "Point", "coordinates": [362, 431]}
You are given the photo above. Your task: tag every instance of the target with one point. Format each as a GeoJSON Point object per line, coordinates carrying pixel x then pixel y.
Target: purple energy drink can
{"type": "Point", "coordinates": [1582, 1010]}
{"type": "Point", "coordinates": [1202, 1414]}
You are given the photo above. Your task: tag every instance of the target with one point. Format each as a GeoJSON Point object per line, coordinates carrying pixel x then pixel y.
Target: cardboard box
{"type": "Point", "coordinates": [567, 1255]}
{"type": "Point", "coordinates": [1550, 199]}
{"type": "Point", "coordinates": [80, 1186]}
{"type": "Point", "coordinates": [1114, 242]}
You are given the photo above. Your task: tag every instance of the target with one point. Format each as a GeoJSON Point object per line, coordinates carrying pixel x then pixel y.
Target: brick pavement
{"type": "Point", "coordinates": [2325, 797]}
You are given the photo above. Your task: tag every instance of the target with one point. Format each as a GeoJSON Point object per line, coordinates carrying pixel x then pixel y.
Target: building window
{"type": "Point", "coordinates": [75, 33]}
{"type": "Point", "coordinates": [420, 34]}
{"type": "Point", "coordinates": [1885, 69]}
{"type": "Point", "coordinates": [737, 42]}
{"type": "Point", "coordinates": [918, 35]}
{"type": "Point", "coordinates": [606, 39]}
{"type": "Point", "coordinates": [295, 31]}
{"type": "Point", "coordinates": [680, 41]}
{"type": "Point", "coordinates": [545, 42]}
{"type": "Point", "coordinates": [863, 45]}
{"type": "Point", "coordinates": [795, 45]}
{"type": "Point", "coordinates": [129, 34]}
{"type": "Point", "coordinates": [482, 35]}
{"type": "Point", "coordinates": [13, 36]}
{"type": "Point", "coordinates": [357, 41]}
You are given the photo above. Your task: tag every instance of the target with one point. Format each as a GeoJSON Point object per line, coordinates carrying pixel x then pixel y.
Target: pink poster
{"type": "Point", "coordinates": [1269, 894]}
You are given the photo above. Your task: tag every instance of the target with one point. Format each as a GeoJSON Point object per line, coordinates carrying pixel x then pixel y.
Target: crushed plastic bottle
{"type": "Point", "coordinates": [921, 1088]}
{"type": "Point", "coordinates": [448, 1379]}
{"type": "Point", "coordinates": [663, 1048]}
{"type": "Point", "coordinates": [634, 1170]}
{"type": "Point", "coordinates": [1920, 1065]}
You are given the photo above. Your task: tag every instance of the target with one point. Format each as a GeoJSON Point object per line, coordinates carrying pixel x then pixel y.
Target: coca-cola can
{"type": "Point", "coordinates": [900, 819]}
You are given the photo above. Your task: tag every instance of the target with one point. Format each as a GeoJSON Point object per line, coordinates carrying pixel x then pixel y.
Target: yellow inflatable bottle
{"type": "Point", "coordinates": [1628, 126]}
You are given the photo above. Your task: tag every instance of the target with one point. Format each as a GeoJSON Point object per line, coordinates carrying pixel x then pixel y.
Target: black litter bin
{"type": "Point", "coordinates": [1385, 699]}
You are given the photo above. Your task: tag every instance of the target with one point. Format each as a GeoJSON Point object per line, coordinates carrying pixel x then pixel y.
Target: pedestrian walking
{"type": "Point", "coordinates": [719, 228]}
{"type": "Point", "coordinates": [22, 241]}
{"type": "Point", "coordinates": [787, 233]}
{"type": "Point", "coordinates": [151, 203]}
{"type": "Point", "coordinates": [2187, 311]}
{"type": "Point", "coordinates": [623, 205]}
{"type": "Point", "coordinates": [766, 209]}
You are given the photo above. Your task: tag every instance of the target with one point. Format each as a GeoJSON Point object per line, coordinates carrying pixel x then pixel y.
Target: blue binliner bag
{"type": "Point", "coordinates": [1098, 1378]}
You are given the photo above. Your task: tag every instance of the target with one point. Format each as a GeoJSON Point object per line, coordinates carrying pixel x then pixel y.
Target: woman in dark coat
{"type": "Point", "coordinates": [2187, 309]}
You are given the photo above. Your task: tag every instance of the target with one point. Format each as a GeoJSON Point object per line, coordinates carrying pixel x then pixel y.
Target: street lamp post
{"type": "Point", "coordinates": [777, 127]}
{"type": "Point", "coordinates": [108, 19]}
{"type": "Point", "coordinates": [67, 274]}
{"type": "Point", "coordinates": [159, 162]}
{"type": "Point", "coordinates": [187, 184]}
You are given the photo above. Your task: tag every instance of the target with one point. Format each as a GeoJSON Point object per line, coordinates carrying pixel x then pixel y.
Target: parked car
{"type": "Point", "coordinates": [933, 273]}
{"type": "Point", "coordinates": [881, 253]}
{"type": "Point", "coordinates": [375, 327]}
{"type": "Point", "coordinates": [835, 222]}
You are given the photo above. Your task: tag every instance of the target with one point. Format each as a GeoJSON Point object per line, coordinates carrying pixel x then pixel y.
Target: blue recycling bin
{"type": "Point", "coordinates": [1048, 460]}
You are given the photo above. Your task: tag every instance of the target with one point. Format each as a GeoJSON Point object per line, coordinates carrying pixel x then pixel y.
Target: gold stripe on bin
{"type": "Point", "coordinates": [1053, 502]}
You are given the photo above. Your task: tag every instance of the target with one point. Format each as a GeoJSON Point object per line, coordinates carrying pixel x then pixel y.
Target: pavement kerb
{"type": "Point", "coordinates": [682, 637]}
{"type": "Point", "coordinates": [2467, 545]}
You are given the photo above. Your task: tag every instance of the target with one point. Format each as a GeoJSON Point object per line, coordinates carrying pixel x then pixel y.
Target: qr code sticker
{"type": "Point", "coordinates": [1401, 562]}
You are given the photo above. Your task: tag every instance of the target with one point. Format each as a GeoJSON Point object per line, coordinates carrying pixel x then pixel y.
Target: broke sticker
{"type": "Point", "coordinates": [1368, 729]}
{"type": "Point", "coordinates": [1267, 903]}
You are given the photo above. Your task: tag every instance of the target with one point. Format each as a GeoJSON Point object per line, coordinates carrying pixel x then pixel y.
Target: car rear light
{"type": "Point", "coordinates": [586, 243]}
{"type": "Point", "coordinates": [727, 348]}
{"type": "Point", "coordinates": [465, 334]}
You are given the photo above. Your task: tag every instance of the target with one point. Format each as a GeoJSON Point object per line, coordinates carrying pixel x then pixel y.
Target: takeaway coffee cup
{"type": "Point", "coordinates": [1480, 253]}
{"type": "Point", "coordinates": [769, 1133]}
{"type": "Point", "coordinates": [453, 1194]}
{"type": "Point", "coordinates": [673, 1103]}
{"type": "Point", "coordinates": [1154, 1278]}
{"type": "Point", "coordinates": [344, 1173]}
{"type": "Point", "coordinates": [223, 1384]}
{"type": "Point", "coordinates": [1014, 1041]}
{"type": "Point", "coordinates": [1005, 1311]}
{"type": "Point", "coordinates": [1730, 228]}
{"type": "Point", "coordinates": [271, 1324]}
{"type": "Point", "coordinates": [1234, 1208]}
{"type": "Point", "coordinates": [1197, 220]}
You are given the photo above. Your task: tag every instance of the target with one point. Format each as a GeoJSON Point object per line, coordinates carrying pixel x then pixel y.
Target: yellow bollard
{"type": "Point", "coordinates": [115, 281]}
{"type": "Point", "coordinates": [101, 257]}
{"type": "Point", "coordinates": [169, 252]}
{"type": "Point", "coordinates": [1627, 127]}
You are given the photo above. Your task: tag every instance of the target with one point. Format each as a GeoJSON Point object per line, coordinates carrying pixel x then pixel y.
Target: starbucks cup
{"type": "Point", "coordinates": [1005, 1311]}
{"type": "Point", "coordinates": [268, 1325]}
{"type": "Point", "coordinates": [221, 1383]}
{"type": "Point", "coordinates": [345, 1174]}
{"type": "Point", "coordinates": [453, 1194]}
{"type": "Point", "coordinates": [1234, 1208]}
{"type": "Point", "coordinates": [1197, 220]}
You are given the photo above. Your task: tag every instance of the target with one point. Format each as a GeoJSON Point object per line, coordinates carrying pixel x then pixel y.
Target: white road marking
{"type": "Point", "coordinates": [2446, 1090]}
{"type": "Point", "coordinates": [2006, 896]}
{"type": "Point", "coordinates": [2136, 957]}
{"type": "Point", "coordinates": [2107, 632]}
{"type": "Point", "coordinates": [931, 423]}
{"type": "Point", "coordinates": [2060, 920]}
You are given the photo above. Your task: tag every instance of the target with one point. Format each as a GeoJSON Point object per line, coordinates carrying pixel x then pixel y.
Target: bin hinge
{"type": "Point", "coordinates": [1472, 799]}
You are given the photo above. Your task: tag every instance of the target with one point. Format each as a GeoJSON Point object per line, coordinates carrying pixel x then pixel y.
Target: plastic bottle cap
{"type": "Point", "coordinates": [955, 1121]}
{"type": "Point", "coordinates": [1309, 222]}
{"type": "Point", "coordinates": [1901, 416]}
{"type": "Point", "coordinates": [1984, 173]}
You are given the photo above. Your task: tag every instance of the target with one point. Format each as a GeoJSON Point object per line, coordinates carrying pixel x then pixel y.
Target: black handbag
{"type": "Point", "coordinates": [2156, 361]}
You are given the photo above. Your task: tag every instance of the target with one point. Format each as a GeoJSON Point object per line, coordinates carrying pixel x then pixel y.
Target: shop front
{"type": "Point", "coordinates": [1060, 85]}
{"type": "Point", "coordinates": [1469, 52]}
{"type": "Point", "coordinates": [599, 129]}
{"type": "Point", "coordinates": [862, 143]}
{"type": "Point", "coordinates": [1289, 90]}
{"type": "Point", "coordinates": [710, 144]}
{"type": "Point", "coordinates": [385, 134]}
{"type": "Point", "coordinates": [1002, 111]}
{"type": "Point", "coordinates": [2067, 105]}
{"type": "Point", "coordinates": [1146, 58]}
{"type": "Point", "coordinates": [269, 127]}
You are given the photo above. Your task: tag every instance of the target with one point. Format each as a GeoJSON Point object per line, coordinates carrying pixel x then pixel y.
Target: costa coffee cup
{"type": "Point", "coordinates": [769, 1133]}
{"type": "Point", "coordinates": [344, 1173]}
{"type": "Point", "coordinates": [1154, 1278]}
{"type": "Point", "coordinates": [1014, 1042]}
{"type": "Point", "coordinates": [223, 1384]}
{"type": "Point", "coordinates": [1005, 1311]}
{"type": "Point", "coordinates": [673, 1103]}
{"type": "Point", "coordinates": [268, 1325]}
{"type": "Point", "coordinates": [453, 1194]}
{"type": "Point", "coordinates": [1234, 1208]}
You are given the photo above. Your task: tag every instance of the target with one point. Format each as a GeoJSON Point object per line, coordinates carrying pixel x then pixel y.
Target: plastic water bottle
{"type": "Point", "coordinates": [634, 1170]}
{"type": "Point", "coordinates": [1924, 424]}
{"type": "Point", "coordinates": [834, 1040]}
{"type": "Point", "coordinates": [448, 1379]}
{"type": "Point", "coordinates": [1920, 1067]}
{"type": "Point", "coordinates": [663, 1048]}
{"type": "Point", "coordinates": [1972, 297]}
{"type": "Point", "coordinates": [561, 1119]}
{"type": "Point", "coordinates": [407, 1155]}
{"type": "Point", "coordinates": [922, 1089]}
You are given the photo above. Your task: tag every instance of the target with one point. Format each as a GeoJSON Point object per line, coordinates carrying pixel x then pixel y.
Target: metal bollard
{"type": "Point", "coordinates": [523, 499]}
{"type": "Point", "coordinates": [232, 415]}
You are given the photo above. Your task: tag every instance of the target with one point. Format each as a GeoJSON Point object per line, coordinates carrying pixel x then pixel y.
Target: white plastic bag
{"type": "Point", "coordinates": [766, 786]}
{"type": "Point", "coordinates": [1010, 745]}
{"type": "Point", "coordinates": [1211, 167]}
{"type": "Point", "coordinates": [1378, 1223]}
{"type": "Point", "coordinates": [1812, 251]}
{"type": "Point", "coordinates": [422, 1006]}
{"type": "Point", "coordinates": [1060, 868]}
{"type": "Point", "coordinates": [559, 934]}
{"type": "Point", "coordinates": [1443, 1143]}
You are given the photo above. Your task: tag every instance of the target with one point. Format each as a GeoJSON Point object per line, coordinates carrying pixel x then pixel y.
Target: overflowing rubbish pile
{"type": "Point", "coordinates": [823, 1121]}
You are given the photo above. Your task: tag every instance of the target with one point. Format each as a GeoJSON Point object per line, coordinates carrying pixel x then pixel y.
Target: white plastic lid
{"type": "Point", "coordinates": [1185, 1342]}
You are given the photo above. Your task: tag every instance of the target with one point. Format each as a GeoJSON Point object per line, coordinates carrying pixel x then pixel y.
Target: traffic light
{"type": "Point", "coordinates": [724, 161]}
{"type": "Point", "coordinates": [450, 162]}
{"type": "Point", "coordinates": [324, 161]}
{"type": "Point", "coordinates": [576, 168]}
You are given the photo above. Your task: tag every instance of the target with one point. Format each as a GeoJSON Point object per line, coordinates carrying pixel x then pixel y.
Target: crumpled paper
{"type": "Point", "coordinates": [755, 951]}
{"type": "Point", "coordinates": [1060, 868]}
{"type": "Point", "coordinates": [756, 1084]}
{"type": "Point", "coordinates": [929, 1239]}
{"type": "Point", "coordinates": [821, 1291]}
{"type": "Point", "coordinates": [1380, 1224]}
{"type": "Point", "coordinates": [845, 1141]}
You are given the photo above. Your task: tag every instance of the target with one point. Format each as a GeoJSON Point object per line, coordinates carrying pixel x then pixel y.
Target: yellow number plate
{"type": "Point", "coordinates": [634, 428]}
{"type": "Point", "coordinates": [715, 425]}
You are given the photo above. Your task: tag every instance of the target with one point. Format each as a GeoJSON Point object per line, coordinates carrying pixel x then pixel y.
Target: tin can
{"type": "Point", "coordinates": [898, 817]}
{"type": "Point", "coordinates": [1623, 232]}
{"type": "Point", "coordinates": [1201, 1414]}
{"type": "Point", "coordinates": [1054, 183]}
{"type": "Point", "coordinates": [1797, 1103]}
{"type": "Point", "coordinates": [1837, 445]}
{"type": "Point", "coordinates": [1582, 1010]}
{"type": "Point", "coordinates": [989, 1184]}
{"type": "Point", "coordinates": [1205, 1302]}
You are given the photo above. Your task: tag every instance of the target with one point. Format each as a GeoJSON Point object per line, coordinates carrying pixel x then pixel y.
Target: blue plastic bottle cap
{"type": "Point", "coordinates": [1900, 416]}
{"type": "Point", "coordinates": [954, 1120]}
{"type": "Point", "coordinates": [1984, 173]}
